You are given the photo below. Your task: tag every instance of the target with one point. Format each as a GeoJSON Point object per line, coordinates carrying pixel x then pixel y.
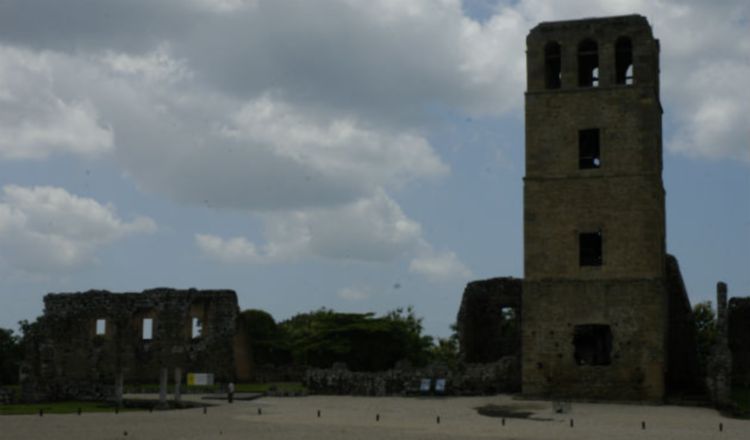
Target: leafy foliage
{"type": "Point", "coordinates": [705, 328]}
{"type": "Point", "coordinates": [266, 339]}
{"type": "Point", "coordinates": [363, 341]}
{"type": "Point", "coordinates": [10, 357]}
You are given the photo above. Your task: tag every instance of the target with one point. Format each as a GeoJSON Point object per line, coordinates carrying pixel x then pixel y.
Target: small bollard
{"type": "Point", "coordinates": [79, 410]}
{"type": "Point", "coordinates": [205, 409]}
{"type": "Point", "coordinates": [260, 411]}
{"type": "Point", "coordinates": [150, 409]}
{"type": "Point", "coordinates": [377, 417]}
{"type": "Point", "coordinates": [41, 412]}
{"type": "Point", "coordinates": [643, 425]}
{"type": "Point", "coordinates": [318, 413]}
{"type": "Point", "coordinates": [503, 421]}
{"type": "Point", "coordinates": [571, 423]}
{"type": "Point", "coordinates": [125, 433]}
{"type": "Point", "coordinates": [117, 409]}
{"type": "Point", "coordinates": [438, 420]}
{"type": "Point", "coordinates": [721, 427]}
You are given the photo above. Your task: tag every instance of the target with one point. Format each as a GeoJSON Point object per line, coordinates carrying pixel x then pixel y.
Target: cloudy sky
{"type": "Point", "coordinates": [361, 155]}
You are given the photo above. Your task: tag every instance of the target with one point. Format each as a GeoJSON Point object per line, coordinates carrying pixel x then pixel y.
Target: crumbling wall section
{"type": "Point", "coordinates": [682, 347]}
{"type": "Point", "coordinates": [719, 369]}
{"type": "Point", "coordinates": [489, 320]}
{"type": "Point", "coordinates": [739, 340]}
{"type": "Point", "coordinates": [84, 340]}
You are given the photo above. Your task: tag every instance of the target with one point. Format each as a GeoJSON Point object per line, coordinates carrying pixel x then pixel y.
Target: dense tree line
{"type": "Point", "coordinates": [363, 341]}
{"type": "Point", "coordinates": [10, 357]}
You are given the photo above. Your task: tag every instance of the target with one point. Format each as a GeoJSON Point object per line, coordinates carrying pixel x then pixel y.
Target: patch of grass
{"type": "Point", "coordinates": [70, 407]}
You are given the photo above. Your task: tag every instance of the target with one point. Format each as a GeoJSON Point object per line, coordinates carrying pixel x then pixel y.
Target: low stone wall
{"type": "Point", "coordinates": [467, 379]}
{"type": "Point", "coordinates": [280, 373]}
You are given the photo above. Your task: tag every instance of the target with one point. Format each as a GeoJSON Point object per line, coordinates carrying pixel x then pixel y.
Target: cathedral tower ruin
{"type": "Point", "coordinates": [595, 310]}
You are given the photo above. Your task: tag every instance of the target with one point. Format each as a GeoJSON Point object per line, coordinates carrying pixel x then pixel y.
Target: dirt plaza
{"type": "Point", "coordinates": [385, 418]}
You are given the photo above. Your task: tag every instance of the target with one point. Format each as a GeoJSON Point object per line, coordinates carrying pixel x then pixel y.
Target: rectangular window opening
{"type": "Point", "coordinates": [101, 327]}
{"type": "Point", "coordinates": [590, 244]}
{"type": "Point", "coordinates": [148, 329]}
{"type": "Point", "coordinates": [588, 149]}
{"type": "Point", "coordinates": [196, 328]}
{"type": "Point", "coordinates": [593, 344]}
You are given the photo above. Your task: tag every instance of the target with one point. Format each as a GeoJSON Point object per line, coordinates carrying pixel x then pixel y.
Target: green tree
{"type": "Point", "coordinates": [361, 340]}
{"type": "Point", "coordinates": [265, 338]}
{"type": "Point", "coordinates": [10, 357]}
{"type": "Point", "coordinates": [704, 318]}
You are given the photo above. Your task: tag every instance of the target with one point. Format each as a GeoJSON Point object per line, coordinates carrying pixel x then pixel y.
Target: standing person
{"type": "Point", "coordinates": [230, 392]}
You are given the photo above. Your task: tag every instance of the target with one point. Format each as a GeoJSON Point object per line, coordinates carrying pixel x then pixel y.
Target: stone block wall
{"type": "Point", "coordinates": [682, 348]}
{"type": "Point", "coordinates": [489, 320]}
{"type": "Point", "coordinates": [636, 366]}
{"type": "Point", "coordinates": [85, 340]}
{"type": "Point", "coordinates": [739, 340]}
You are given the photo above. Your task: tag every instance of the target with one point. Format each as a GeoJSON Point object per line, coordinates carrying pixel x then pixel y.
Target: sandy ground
{"type": "Point", "coordinates": [354, 418]}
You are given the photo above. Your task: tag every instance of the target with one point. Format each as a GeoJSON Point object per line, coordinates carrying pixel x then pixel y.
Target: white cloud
{"type": "Point", "coordinates": [377, 64]}
{"type": "Point", "coordinates": [370, 229]}
{"type": "Point", "coordinates": [223, 6]}
{"type": "Point", "coordinates": [311, 114]}
{"type": "Point", "coordinates": [48, 229]}
{"type": "Point", "coordinates": [34, 121]}
{"type": "Point", "coordinates": [338, 147]}
{"type": "Point", "coordinates": [233, 250]}
{"type": "Point", "coordinates": [353, 294]}
{"type": "Point", "coordinates": [442, 266]}
{"type": "Point", "coordinates": [374, 229]}
{"type": "Point", "coordinates": [156, 66]}
{"type": "Point", "coordinates": [719, 124]}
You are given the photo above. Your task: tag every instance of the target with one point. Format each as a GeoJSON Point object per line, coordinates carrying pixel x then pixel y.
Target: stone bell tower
{"type": "Point", "coordinates": [594, 297]}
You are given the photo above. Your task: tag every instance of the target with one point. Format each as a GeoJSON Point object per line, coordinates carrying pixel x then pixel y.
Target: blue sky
{"type": "Point", "coordinates": [357, 155]}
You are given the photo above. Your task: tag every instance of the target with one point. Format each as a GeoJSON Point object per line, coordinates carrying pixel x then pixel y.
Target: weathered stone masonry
{"type": "Point", "coordinates": [489, 320]}
{"type": "Point", "coordinates": [595, 306]}
{"type": "Point", "coordinates": [604, 311]}
{"type": "Point", "coordinates": [739, 340]}
{"type": "Point", "coordinates": [85, 340]}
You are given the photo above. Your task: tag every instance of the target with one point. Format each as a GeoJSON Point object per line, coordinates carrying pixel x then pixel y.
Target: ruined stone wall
{"type": "Point", "coordinates": [637, 361]}
{"type": "Point", "coordinates": [66, 358]}
{"type": "Point", "coordinates": [683, 375]}
{"type": "Point", "coordinates": [719, 368]}
{"type": "Point", "coordinates": [739, 340]}
{"type": "Point", "coordinates": [502, 376]}
{"type": "Point", "coordinates": [484, 333]}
